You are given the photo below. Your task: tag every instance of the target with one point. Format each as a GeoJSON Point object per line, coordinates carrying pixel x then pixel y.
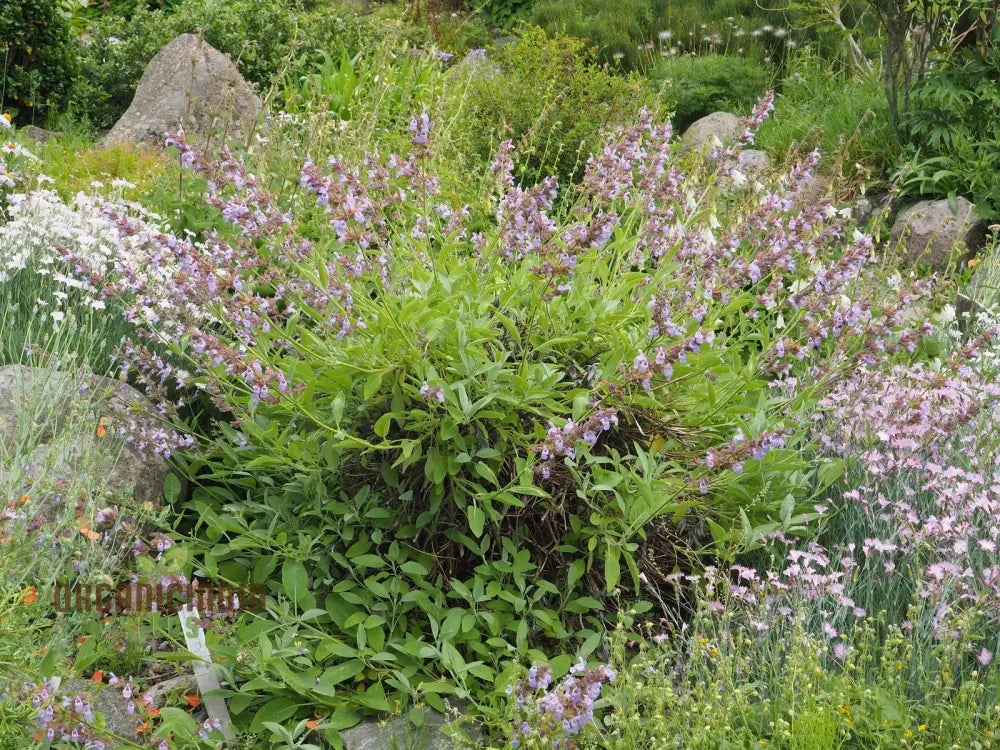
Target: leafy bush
{"type": "Point", "coordinates": [550, 97]}
{"type": "Point", "coordinates": [265, 39]}
{"type": "Point", "coordinates": [501, 13]}
{"type": "Point", "coordinates": [953, 124]}
{"type": "Point", "coordinates": [880, 633]}
{"type": "Point", "coordinates": [617, 28]}
{"type": "Point", "coordinates": [698, 85]}
{"type": "Point", "coordinates": [38, 60]}
{"type": "Point", "coordinates": [449, 449]}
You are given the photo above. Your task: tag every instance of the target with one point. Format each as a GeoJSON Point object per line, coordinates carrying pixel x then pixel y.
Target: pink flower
{"type": "Point", "coordinates": [985, 657]}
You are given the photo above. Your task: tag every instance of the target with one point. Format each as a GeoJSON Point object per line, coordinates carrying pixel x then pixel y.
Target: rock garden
{"type": "Point", "coordinates": [539, 374]}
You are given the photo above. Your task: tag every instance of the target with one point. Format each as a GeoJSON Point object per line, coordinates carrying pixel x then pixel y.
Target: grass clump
{"type": "Point", "coordinates": [697, 85]}
{"type": "Point", "coordinates": [841, 114]}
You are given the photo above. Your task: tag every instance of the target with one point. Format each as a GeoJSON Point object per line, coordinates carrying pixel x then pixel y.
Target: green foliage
{"type": "Point", "coordinates": [501, 13]}
{"type": "Point", "coordinates": [844, 115]}
{"type": "Point", "coordinates": [701, 84]}
{"type": "Point", "coordinates": [954, 126]}
{"type": "Point", "coordinates": [550, 97]}
{"type": "Point", "coordinates": [265, 39]}
{"type": "Point", "coordinates": [617, 28]}
{"type": "Point", "coordinates": [38, 62]}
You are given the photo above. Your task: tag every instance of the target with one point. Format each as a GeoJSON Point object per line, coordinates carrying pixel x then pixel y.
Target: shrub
{"type": "Point", "coordinates": [265, 39]}
{"type": "Point", "coordinates": [953, 125]}
{"type": "Point", "coordinates": [698, 85]}
{"type": "Point", "coordinates": [501, 13]}
{"type": "Point", "coordinates": [880, 633]}
{"type": "Point", "coordinates": [618, 29]}
{"type": "Point", "coordinates": [448, 448]}
{"type": "Point", "coordinates": [38, 60]}
{"type": "Point", "coordinates": [549, 96]}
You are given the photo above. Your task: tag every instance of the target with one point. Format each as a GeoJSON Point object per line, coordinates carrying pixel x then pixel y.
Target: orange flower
{"type": "Point", "coordinates": [23, 499]}
{"type": "Point", "coordinates": [142, 727]}
{"type": "Point", "coordinates": [91, 535]}
{"type": "Point", "coordinates": [153, 713]}
{"type": "Point", "coordinates": [98, 676]}
{"type": "Point", "coordinates": [101, 430]}
{"type": "Point", "coordinates": [973, 262]}
{"type": "Point", "coordinates": [193, 700]}
{"type": "Point", "coordinates": [29, 595]}
{"type": "Point", "coordinates": [312, 724]}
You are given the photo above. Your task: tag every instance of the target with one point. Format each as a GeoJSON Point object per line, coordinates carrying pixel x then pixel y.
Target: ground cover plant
{"type": "Point", "coordinates": [516, 408]}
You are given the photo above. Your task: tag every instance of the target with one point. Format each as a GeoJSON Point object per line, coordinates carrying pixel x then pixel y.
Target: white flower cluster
{"type": "Point", "coordinates": [43, 230]}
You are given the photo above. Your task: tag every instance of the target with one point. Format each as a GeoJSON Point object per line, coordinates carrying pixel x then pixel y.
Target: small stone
{"type": "Point", "coordinates": [39, 135]}
{"type": "Point", "coordinates": [702, 134]}
{"type": "Point", "coordinates": [753, 163]}
{"type": "Point", "coordinates": [868, 207]}
{"type": "Point", "coordinates": [813, 190]}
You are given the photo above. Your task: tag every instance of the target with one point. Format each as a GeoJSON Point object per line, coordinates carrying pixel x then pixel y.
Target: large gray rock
{"type": "Point", "coordinates": [931, 232]}
{"type": "Point", "coordinates": [55, 426]}
{"type": "Point", "coordinates": [187, 83]}
{"type": "Point", "coordinates": [702, 134]}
